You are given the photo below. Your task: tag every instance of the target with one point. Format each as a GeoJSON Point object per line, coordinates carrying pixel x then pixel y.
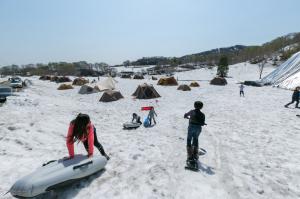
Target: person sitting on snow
{"type": "Point", "coordinates": [295, 98]}
{"type": "Point", "coordinates": [136, 118]}
{"type": "Point", "coordinates": [151, 115]}
{"type": "Point", "coordinates": [81, 129]}
{"type": "Point", "coordinates": [196, 121]}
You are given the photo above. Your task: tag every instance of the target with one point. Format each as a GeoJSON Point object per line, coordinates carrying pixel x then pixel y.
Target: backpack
{"type": "Point", "coordinates": [146, 122]}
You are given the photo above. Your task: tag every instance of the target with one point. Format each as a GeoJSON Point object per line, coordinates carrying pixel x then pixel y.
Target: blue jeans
{"type": "Point", "coordinates": [193, 134]}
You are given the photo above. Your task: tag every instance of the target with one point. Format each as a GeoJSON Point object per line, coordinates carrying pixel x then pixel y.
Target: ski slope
{"type": "Point", "coordinates": [252, 143]}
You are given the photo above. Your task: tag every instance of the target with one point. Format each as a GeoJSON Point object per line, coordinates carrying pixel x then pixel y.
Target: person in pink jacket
{"type": "Point", "coordinates": [82, 129]}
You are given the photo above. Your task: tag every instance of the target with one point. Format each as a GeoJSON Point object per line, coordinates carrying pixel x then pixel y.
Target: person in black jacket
{"type": "Point", "coordinates": [196, 121]}
{"type": "Point", "coordinates": [136, 118]}
{"type": "Point", "coordinates": [295, 98]}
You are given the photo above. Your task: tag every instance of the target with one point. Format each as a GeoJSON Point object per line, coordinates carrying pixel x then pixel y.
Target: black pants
{"type": "Point", "coordinates": [293, 100]}
{"type": "Point", "coordinates": [242, 93]}
{"type": "Point", "coordinates": [96, 144]}
{"type": "Point", "coordinates": [150, 120]}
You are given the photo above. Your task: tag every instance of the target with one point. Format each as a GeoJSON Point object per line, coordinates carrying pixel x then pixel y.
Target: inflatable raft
{"type": "Point", "coordinates": [57, 173]}
{"type": "Point", "coordinates": [131, 125]}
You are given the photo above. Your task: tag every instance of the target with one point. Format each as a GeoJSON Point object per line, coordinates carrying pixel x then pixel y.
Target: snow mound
{"type": "Point", "coordinates": [286, 75]}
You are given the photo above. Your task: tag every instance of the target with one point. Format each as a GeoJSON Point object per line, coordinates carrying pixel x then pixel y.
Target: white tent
{"type": "Point", "coordinates": [108, 84]}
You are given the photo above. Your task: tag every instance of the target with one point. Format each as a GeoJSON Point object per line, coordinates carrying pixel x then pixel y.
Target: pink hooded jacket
{"type": "Point", "coordinates": [89, 138]}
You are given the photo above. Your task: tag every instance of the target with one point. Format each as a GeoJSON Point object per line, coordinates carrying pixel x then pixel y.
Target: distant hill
{"type": "Point", "coordinates": [282, 47]}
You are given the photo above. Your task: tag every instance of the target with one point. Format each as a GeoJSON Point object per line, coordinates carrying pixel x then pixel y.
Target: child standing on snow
{"type": "Point", "coordinates": [81, 129]}
{"type": "Point", "coordinates": [151, 115]}
{"type": "Point", "coordinates": [242, 90]}
{"type": "Point", "coordinates": [196, 121]}
{"type": "Point", "coordinates": [295, 98]}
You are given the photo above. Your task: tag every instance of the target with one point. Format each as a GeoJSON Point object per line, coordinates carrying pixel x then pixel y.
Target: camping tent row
{"type": "Point", "coordinates": [143, 91]}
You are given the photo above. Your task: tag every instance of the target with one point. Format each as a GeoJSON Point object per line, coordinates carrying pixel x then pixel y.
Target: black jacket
{"type": "Point", "coordinates": [195, 117]}
{"type": "Point", "coordinates": [296, 95]}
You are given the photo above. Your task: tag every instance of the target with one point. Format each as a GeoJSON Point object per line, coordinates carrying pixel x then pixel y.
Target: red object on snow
{"type": "Point", "coordinates": [147, 108]}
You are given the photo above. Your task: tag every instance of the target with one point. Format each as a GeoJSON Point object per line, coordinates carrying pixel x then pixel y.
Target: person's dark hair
{"type": "Point", "coordinates": [198, 105]}
{"type": "Point", "coordinates": [80, 126]}
{"type": "Point", "coordinates": [134, 114]}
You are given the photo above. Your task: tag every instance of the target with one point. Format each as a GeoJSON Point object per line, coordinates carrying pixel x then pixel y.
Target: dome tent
{"type": "Point", "coordinates": [65, 87]}
{"type": "Point", "coordinates": [184, 87]}
{"type": "Point", "coordinates": [167, 81]}
{"type": "Point", "coordinates": [219, 81]}
{"type": "Point", "coordinates": [110, 96]}
{"type": "Point", "coordinates": [86, 89]}
{"type": "Point", "coordinates": [80, 81]}
{"type": "Point", "coordinates": [108, 84]}
{"type": "Point", "coordinates": [194, 84]}
{"type": "Point", "coordinates": [145, 91]}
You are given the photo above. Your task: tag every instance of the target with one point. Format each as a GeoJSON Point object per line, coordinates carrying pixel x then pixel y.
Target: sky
{"type": "Point", "coordinates": [112, 31]}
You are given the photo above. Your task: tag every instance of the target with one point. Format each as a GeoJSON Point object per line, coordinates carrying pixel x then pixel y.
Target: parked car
{"type": "Point", "coordinates": [16, 82]}
{"type": "Point", "coordinates": [4, 92]}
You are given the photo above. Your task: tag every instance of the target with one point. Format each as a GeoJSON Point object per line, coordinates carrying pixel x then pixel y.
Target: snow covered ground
{"type": "Point", "coordinates": [252, 143]}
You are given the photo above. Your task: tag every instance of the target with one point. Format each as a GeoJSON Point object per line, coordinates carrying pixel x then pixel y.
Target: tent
{"type": "Point", "coordinates": [194, 84]}
{"type": "Point", "coordinates": [184, 87]}
{"type": "Point", "coordinates": [108, 84]}
{"type": "Point", "coordinates": [80, 81]}
{"type": "Point", "coordinates": [219, 81]}
{"type": "Point", "coordinates": [110, 96]}
{"type": "Point", "coordinates": [46, 77]}
{"type": "Point", "coordinates": [167, 81]}
{"type": "Point", "coordinates": [145, 91]}
{"type": "Point", "coordinates": [65, 87]}
{"type": "Point", "coordinates": [138, 76]}
{"type": "Point", "coordinates": [86, 89]}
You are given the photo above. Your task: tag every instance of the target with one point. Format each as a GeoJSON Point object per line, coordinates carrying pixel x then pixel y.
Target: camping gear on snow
{"type": "Point", "coordinates": [54, 78]}
{"type": "Point", "coordinates": [57, 173]}
{"type": "Point", "coordinates": [108, 84]}
{"type": "Point", "coordinates": [219, 81]}
{"type": "Point", "coordinates": [45, 77]}
{"type": "Point", "coordinates": [110, 96]}
{"type": "Point", "coordinates": [63, 79]}
{"type": "Point", "coordinates": [167, 81]}
{"type": "Point", "coordinates": [27, 83]}
{"type": "Point", "coordinates": [137, 76]}
{"type": "Point", "coordinates": [146, 122]}
{"type": "Point", "coordinates": [145, 91]}
{"type": "Point", "coordinates": [131, 125]}
{"type": "Point", "coordinates": [87, 89]}
{"type": "Point", "coordinates": [184, 87]}
{"type": "Point", "coordinates": [60, 79]}
{"type": "Point", "coordinates": [253, 83]}
{"type": "Point", "coordinates": [65, 87]}
{"type": "Point", "coordinates": [80, 81]}
{"type": "Point", "coordinates": [194, 84]}
{"type": "Point", "coordinates": [126, 76]}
